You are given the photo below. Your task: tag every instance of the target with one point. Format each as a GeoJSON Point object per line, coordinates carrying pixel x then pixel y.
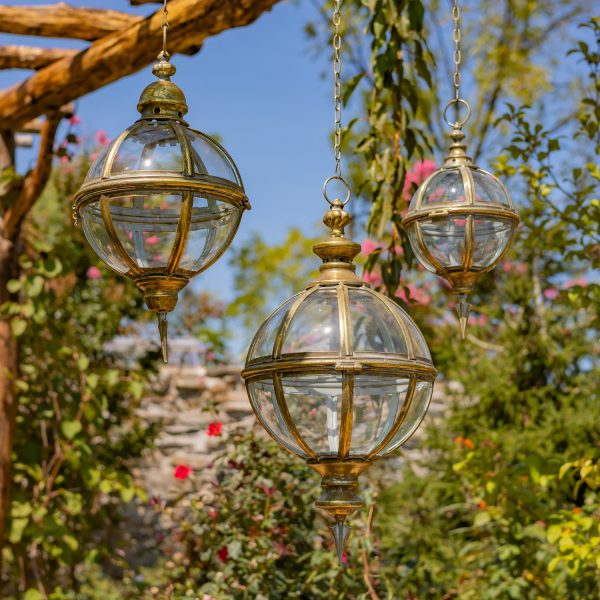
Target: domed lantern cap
{"type": "Point", "coordinates": [339, 375]}
{"type": "Point", "coordinates": [163, 201]}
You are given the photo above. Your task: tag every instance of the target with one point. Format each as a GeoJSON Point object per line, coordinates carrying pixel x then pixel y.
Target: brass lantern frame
{"type": "Point", "coordinates": [339, 471]}
{"type": "Point", "coordinates": [461, 277]}
{"type": "Point", "coordinates": [163, 101]}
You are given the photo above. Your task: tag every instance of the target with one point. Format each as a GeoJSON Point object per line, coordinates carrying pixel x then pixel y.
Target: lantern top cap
{"type": "Point", "coordinates": [163, 99]}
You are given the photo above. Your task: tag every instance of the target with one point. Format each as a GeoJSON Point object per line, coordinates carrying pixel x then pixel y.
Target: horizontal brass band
{"type": "Point", "coordinates": [328, 364]}
{"type": "Point", "coordinates": [445, 210]}
{"type": "Point", "coordinates": [161, 182]}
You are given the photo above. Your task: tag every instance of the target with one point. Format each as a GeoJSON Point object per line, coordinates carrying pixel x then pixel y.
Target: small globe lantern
{"type": "Point", "coordinates": [460, 222]}
{"type": "Point", "coordinates": [339, 375]}
{"type": "Point", "coordinates": [162, 202]}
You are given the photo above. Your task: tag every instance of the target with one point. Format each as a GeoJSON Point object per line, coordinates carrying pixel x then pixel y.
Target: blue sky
{"type": "Point", "coordinates": [261, 90]}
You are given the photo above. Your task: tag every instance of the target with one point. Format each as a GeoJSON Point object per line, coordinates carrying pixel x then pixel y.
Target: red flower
{"type": "Point", "coordinates": [182, 472]}
{"type": "Point", "coordinates": [344, 558]}
{"type": "Point", "coordinates": [214, 429]}
{"type": "Point", "coordinates": [223, 554]}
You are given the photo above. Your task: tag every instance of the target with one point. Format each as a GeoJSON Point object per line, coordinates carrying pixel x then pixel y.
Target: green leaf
{"type": "Point", "coordinates": [17, 526]}
{"type": "Point", "coordinates": [32, 594]}
{"type": "Point", "coordinates": [70, 428]}
{"type": "Point", "coordinates": [18, 327]}
{"type": "Point", "coordinates": [13, 286]}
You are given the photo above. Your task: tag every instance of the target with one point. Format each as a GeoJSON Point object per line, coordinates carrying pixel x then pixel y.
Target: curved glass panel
{"type": "Point", "coordinates": [411, 229]}
{"type": "Point", "coordinates": [374, 328]}
{"type": "Point", "coordinates": [212, 225]}
{"type": "Point", "coordinates": [146, 224]}
{"type": "Point", "coordinates": [316, 325]}
{"type": "Point", "coordinates": [491, 237]}
{"type": "Point", "coordinates": [95, 232]}
{"type": "Point", "coordinates": [209, 159]}
{"type": "Point", "coordinates": [414, 415]}
{"type": "Point", "coordinates": [488, 189]}
{"type": "Point", "coordinates": [314, 402]}
{"type": "Point", "coordinates": [376, 404]}
{"type": "Point", "coordinates": [421, 348]}
{"type": "Point", "coordinates": [262, 397]}
{"type": "Point", "coordinates": [445, 240]}
{"type": "Point", "coordinates": [263, 342]}
{"type": "Point", "coordinates": [98, 164]}
{"type": "Point", "coordinates": [445, 186]}
{"type": "Point", "coordinates": [150, 146]}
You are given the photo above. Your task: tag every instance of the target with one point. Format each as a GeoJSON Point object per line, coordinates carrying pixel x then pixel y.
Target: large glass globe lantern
{"type": "Point", "coordinates": [339, 375]}
{"type": "Point", "coordinates": [163, 201]}
{"type": "Point", "coordinates": [460, 223]}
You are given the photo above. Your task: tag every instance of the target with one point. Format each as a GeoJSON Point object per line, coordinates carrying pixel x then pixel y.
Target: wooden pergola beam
{"type": "Point", "coordinates": [122, 53]}
{"type": "Point", "coordinates": [30, 57]}
{"type": "Point", "coordinates": [61, 20]}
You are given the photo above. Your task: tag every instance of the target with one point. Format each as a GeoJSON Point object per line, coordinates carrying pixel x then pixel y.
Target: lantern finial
{"type": "Point", "coordinates": [463, 308]}
{"type": "Point", "coordinates": [340, 532]}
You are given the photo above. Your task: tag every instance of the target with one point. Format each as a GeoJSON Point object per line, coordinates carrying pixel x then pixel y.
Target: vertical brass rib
{"type": "Point", "coordinates": [412, 384]}
{"type": "Point", "coordinates": [112, 153]}
{"type": "Point", "coordinates": [134, 270]}
{"type": "Point", "coordinates": [346, 342]}
{"type": "Point", "coordinates": [469, 185]}
{"type": "Point", "coordinates": [346, 413]}
{"type": "Point", "coordinates": [182, 233]}
{"type": "Point", "coordinates": [285, 415]}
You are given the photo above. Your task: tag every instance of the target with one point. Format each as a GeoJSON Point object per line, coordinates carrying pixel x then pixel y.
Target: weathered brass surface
{"type": "Point", "coordinates": [164, 101]}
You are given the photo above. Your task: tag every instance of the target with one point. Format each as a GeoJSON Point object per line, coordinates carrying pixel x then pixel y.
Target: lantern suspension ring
{"type": "Point", "coordinates": [162, 202]}
{"type": "Point", "coordinates": [461, 220]}
{"type": "Point", "coordinates": [339, 374]}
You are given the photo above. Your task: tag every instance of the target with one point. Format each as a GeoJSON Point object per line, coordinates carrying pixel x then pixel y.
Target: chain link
{"type": "Point", "coordinates": [165, 27]}
{"type": "Point", "coordinates": [456, 36]}
{"type": "Point", "coordinates": [337, 89]}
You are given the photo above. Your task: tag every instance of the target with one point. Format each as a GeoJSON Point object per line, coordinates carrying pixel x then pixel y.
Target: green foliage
{"type": "Point", "coordinates": [76, 428]}
{"type": "Point", "coordinates": [266, 274]}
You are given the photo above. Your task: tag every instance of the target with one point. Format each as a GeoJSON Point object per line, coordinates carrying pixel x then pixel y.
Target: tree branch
{"type": "Point", "coordinates": [29, 57]}
{"type": "Point", "coordinates": [35, 181]}
{"type": "Point", "coordinates": [122, 53]}
{"type": "Point", "coordinates": [61, 20]}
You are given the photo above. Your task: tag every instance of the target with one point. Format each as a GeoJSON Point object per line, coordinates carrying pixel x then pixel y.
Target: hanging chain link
{"type": "Point", "coordinates": [337, 89]}
{"type": "Point", "coordinates": [457, 55]}
{"type": "Point", "coordinates": [337, 105]}
{"type": "Point", "coordinates": [165, 27]}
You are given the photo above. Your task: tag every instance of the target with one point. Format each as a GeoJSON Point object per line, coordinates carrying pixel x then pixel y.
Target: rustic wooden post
{"type": "Point", "coordinates": [8, 351]}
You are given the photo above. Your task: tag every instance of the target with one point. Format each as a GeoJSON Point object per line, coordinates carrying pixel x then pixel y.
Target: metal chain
{"type": "Point", "coordinates": [165, 27]}
{"type": "Point", "coordinates": [337, 89]}
{"type": "Point", "coordinates": [456, 35]}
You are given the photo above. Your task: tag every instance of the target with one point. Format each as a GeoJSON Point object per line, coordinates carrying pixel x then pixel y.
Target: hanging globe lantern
{"type": "Point", "coordinates": [339, 375]}
{"type": "Point", "coordinates": [461, 220]}
{"type": "Point", "coordinates": [163, 201]}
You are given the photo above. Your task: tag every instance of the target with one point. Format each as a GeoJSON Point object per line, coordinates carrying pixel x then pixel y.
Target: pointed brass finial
{"type": "Point", "coordinates": [340, 533]}
{"type": "Point", "coordinates": [463, 308]}
{"type": "Point", "coordinates": [163, 325]}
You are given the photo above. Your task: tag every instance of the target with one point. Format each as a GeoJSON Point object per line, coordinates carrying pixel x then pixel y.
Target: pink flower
{"type": "Point", "coordinates": [521, 268]}
{"type": "Point", "coordinates": [210, 355]}
{"type": "Point", "coordinates": [214, 429]}
{"type": "Point", "coordinates": [417, 295]}
{"type": "Point", "coordinates": [420, 172]}
{"type": "Point", "coordinates": [344, 558]}
{"type": "Point", "coordinates": [373, 278]}
{"type": "Point", "coordinates": [369, 246]}
{"type": "Point", "coordinates": [207, 597]}
{"type": "Point", "coordinates": [573, 282]}
{"type": "Point", "coordinates": [102, 138]}
{"type": "Point", "coordinates": [480, 320]}
{"type": "Point", "coordinates": [507, 266]}
{"type": "Point", "coordinates": [64, 159]}
{"type": "Point", "coordinates": [223, 554]}
{"type": "Point", "coordinates": [551, 293]}
{"type": "Point", "coordinates": [93, 273]}
{"type": "Point", "coordinates": [152, 240]}
{"type": "Point", "coordinates": [75, 120]}
{"type": "Point", "coordinates": [213, 513]}
{"type": "Point", "coordinates": [182, 472]}
{"type": "Point", "coordinates": [94, 156]}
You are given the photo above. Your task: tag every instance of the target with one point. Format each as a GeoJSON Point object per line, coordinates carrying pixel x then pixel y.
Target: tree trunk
{"type": "Point", "coordinates": [8, 373]}
{"type": "Point", "coordinates": [8, 357]}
